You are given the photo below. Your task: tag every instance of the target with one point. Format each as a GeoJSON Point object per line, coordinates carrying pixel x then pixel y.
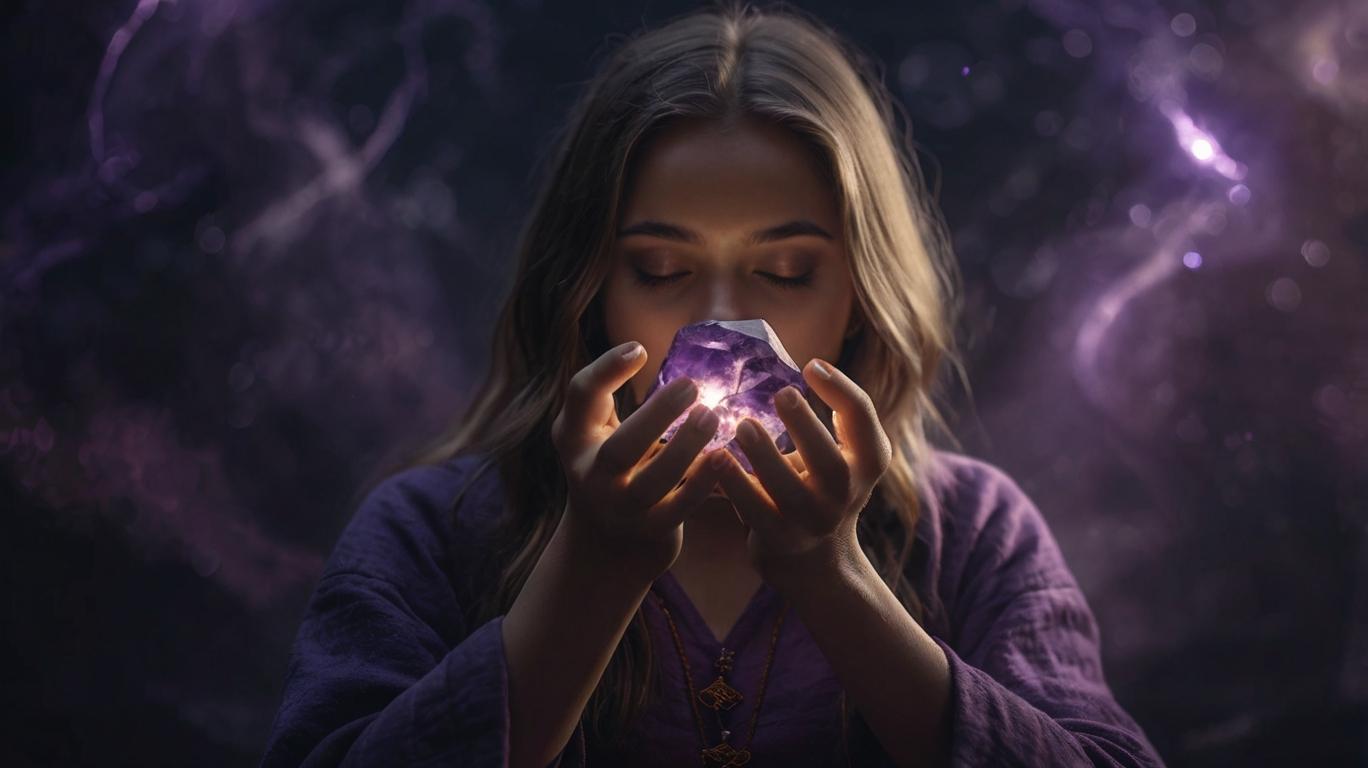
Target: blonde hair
{"type": "Point", "coordinates": [721, 62]}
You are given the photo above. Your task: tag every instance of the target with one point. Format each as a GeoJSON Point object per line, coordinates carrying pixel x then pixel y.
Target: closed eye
{"type": "Point", "coordinates": [652, 281]}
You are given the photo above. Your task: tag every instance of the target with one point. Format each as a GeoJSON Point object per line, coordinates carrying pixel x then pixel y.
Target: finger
{"type": "Point", "coordinates": [818, 448]}
{"type": "Point", "coordinates": [752, 505]}
{"type": "Point", "coordinates": [698, 483]}
{"type": "Point", "coordinates": [649, 484]}
{"type": "Point", "coordinates": [857, 423]}
{"type": "Point", "coordinates": [589, 396]}
{"type": "Point", "coordinates": [776, 474]}
{"type": "Point", "coordinates": [627, 445]}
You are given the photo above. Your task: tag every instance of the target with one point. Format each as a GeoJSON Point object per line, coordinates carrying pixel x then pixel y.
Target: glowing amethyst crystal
{"type": "Point", "coordinates": [738, 366]}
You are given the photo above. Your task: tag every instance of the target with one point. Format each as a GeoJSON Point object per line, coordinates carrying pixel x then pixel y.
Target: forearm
{"type": "Point", "coordinates": [559, 635]}
{"type": "Point", "coordinates": [896, 676]}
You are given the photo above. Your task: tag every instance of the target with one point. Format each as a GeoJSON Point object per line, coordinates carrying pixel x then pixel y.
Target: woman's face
{"type": "Point", "coordinates": [740, 225]}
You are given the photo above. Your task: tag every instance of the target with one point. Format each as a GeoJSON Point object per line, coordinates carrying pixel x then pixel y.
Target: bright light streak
{"type": "Point", "coordinates": [1202, 146]}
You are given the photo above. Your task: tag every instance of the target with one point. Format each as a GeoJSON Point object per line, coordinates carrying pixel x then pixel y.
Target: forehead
{"type": "Point", "coordinates": [724, 175]}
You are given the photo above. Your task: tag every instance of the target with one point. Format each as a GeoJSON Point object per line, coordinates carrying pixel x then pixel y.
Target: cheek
{"type": "Point", "coordinates": [622, 318]}
{"type": "Point", "coordinates": [805, 338]}
{"type": "Point", "coordinates": [627, 317]}
{"type": "Point", "coordinates": [657, 345]}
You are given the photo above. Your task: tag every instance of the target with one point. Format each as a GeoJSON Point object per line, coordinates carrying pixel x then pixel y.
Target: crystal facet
{"type": "Point", "coordinates": [738, 366]}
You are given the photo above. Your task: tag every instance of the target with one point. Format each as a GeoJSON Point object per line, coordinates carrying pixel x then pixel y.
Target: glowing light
{"type": "Point", "coordinates": [1140, 215]}
{"type": "Point", "coordinates": [1316, 253]}
{"type": "Point", "coordinates": [1284, 294]}
{"type": "Point", "coordinates": [1325, 71]}
{"type": "Point", "coordinates": [1205, 60]}
{"type": "Point", "coordinates": [1101, 318]}
{"type": "Point", "coordinates": [1077, 43]}
{"type": "Point", "coordinates": [711, 394]}
{"type": "Point", "coordinates": [1327, 53]}
{"type": "Point", "coordinates": [1203, 147]}
{"type": "Point", "coordinates": [95, 116]}
{"type": "Point", "coordinates": [1331, 401]}
{"type": "Point", "coordinates": [1238, 194]}
{"type": "Point", "coordinates": [1183, 25]}
{"type": "Point", "coordinates": [738, 367]}
{"type": "Point", "coordinates": [1192, 259]}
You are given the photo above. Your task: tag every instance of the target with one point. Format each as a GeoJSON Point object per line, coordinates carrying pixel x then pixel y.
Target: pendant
{"type": "Point", "coordinates": [719, 695]}
{"type": "Point", "coordinates": [725, 754]}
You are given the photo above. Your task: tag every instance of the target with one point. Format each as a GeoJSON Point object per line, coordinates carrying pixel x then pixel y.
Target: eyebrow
{"type": "Point", "coordinates": [668, 231]}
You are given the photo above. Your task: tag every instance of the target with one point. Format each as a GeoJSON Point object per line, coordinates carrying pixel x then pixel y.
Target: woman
{"type": "Point", "coordinates": [593, 596]}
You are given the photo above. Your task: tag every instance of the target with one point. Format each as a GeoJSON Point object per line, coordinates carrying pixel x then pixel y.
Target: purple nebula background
{"type": "Point", "coordinates": [252, 250]}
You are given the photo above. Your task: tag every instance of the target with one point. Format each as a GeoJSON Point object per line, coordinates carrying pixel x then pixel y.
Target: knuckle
{"type": "Point", "coordinates": [686, 448]}
{"type": "Point", "coordinates": [867, 405]}
{"type": "Point", "coordinates": [578, 388]}
{"type": "Point", "coordinates": [885, 453]}
{"type": "Point", "coordinates": [693, 443]}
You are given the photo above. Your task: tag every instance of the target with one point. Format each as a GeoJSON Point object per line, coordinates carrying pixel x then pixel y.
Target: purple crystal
{"type": "Point", "coordinates": [738, 366]}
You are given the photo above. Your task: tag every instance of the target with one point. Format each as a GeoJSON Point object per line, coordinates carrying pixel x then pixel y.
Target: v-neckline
{"type": "Point", "coordinates": [756, 608]}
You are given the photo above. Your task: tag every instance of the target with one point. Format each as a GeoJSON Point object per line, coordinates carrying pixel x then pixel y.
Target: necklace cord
{"type": "Point", "coordinates": [688, 679]}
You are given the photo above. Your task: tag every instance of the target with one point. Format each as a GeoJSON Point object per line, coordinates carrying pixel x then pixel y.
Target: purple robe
{"type": "Point", "coordinates": [387, 669]}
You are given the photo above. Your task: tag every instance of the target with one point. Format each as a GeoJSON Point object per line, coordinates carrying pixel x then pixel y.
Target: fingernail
{"type": "Point", "coordinates": [788, 397]}
{"type": "Point", "coordinates": [686, 393]}
{"type": "Point", "coordinates": [821, 369]}
{"type": "Point", "coordinates": [632, 352]}
{"type": "Point", "coordinates": [719, 459]}
{"type": "Point", "coordinates": [707, 422]}
{"type": "Point", "coordinates": [748, 431]}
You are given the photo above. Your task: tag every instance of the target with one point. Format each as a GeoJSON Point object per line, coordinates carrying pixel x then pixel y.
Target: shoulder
{"type": "Point", "coordinates": [987, 536]}
{"type": "Point", "coordinates": [973, 497]}
{"type": "Point", "coordinates": [969, 498]}
{"type": "Point", "coordinates": [409, 525]}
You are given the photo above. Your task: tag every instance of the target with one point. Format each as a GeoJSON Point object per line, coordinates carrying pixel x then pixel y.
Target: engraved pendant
{"type": "Point", "coordinates": [725, 754]}
{"type": "Point", "coordinates": [719, 695]}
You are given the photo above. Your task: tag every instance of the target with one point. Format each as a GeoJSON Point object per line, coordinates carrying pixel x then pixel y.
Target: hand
{"type": "Point", "coordinates": [624, 500]}
{"type": "Point", "coordinates": [803, 509]}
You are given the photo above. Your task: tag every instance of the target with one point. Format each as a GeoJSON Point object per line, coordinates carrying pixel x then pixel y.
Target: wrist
{"type": "Point", "coordinates": [836, 560]}
{"type": "Point", "coordinates": [598, 555]}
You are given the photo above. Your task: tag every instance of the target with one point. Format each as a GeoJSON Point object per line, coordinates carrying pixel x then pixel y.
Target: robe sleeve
{"type": "Point", "coordinates": [384, 670]}
{"type": "Point", "coordinates": [1027, 685]}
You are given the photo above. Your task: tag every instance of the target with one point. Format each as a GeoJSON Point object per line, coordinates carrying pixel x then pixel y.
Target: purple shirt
{"type": "Point", "coordinates": [387, 669]}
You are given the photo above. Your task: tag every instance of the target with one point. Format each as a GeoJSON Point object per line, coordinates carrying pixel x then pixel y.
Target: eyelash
{"type": "Point", "coordinates": [655, 281]}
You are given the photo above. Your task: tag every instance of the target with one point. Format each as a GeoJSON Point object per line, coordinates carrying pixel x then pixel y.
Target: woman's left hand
{"type": "Point", "coordinates": [802, 509]}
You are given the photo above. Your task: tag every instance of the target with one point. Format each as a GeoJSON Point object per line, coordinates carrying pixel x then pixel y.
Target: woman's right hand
{"type": "Point", "coordinates": [624, 499]}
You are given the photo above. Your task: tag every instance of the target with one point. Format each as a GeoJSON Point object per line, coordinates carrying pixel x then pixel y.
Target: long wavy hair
{"type": "Point", "coordinates": [727, 60]}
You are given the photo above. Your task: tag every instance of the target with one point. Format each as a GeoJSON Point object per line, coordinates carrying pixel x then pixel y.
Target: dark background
{"type": "Point", "coordinates": [251, 253]}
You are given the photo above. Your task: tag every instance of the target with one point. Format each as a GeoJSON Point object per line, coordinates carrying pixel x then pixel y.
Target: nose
{"type": "Point", "coordinates": [723, 299]}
